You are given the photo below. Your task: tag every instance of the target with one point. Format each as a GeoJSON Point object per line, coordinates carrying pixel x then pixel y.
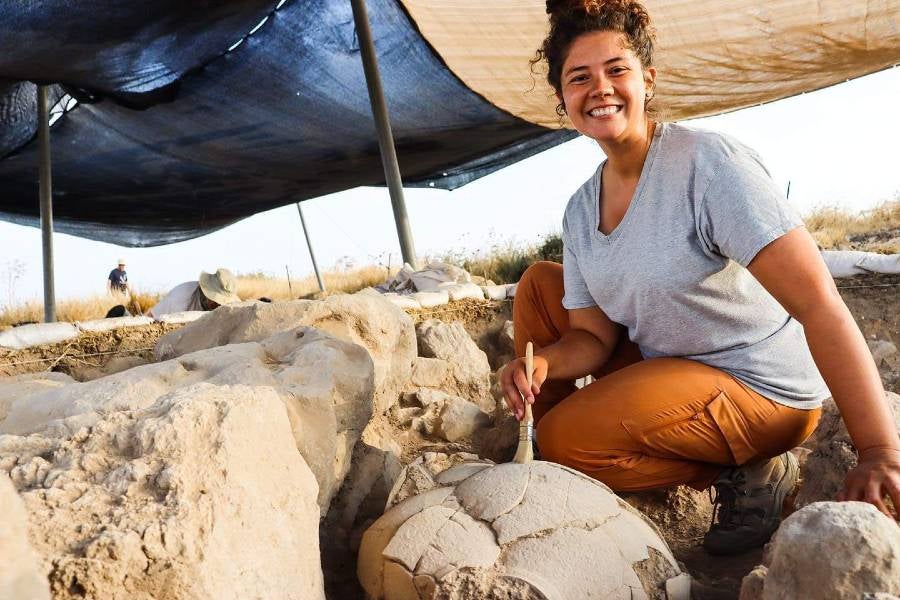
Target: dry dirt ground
{"type": "Point", "coordinates": [874, 301]}
{"type": "Point", "coordinates": [88, 356]}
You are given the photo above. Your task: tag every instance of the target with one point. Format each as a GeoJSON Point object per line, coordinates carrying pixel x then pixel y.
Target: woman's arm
{"type": "Point", "coordinates": [792, 270]}
{"type": "Point", "coordinates": [582, 350]}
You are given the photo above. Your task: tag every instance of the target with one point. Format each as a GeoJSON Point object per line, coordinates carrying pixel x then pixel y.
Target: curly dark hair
{"type": "Point", "coordinates": [570, 19]}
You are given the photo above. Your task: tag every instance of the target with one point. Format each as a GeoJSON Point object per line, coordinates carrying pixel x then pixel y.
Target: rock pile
{"type": "Point", "coordinates": [830, 551]}
{"type": "Point", "coordinates": [384, 330]}
{"type": "Point", "coordinates": [164, 501]}
{"type": "Point", "coordinates": [450, 361]}
{"type": "Point", "coordinates": [447, 403]}
{"type": "Point", "coordinates": [326, 385]}
{"type": "Point", "coordinates": [20, 574]}
{"type": "Point", "coordinates": [269, 445]}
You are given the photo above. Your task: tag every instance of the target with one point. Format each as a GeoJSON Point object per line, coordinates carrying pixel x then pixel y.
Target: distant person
{"type": "Point", "coordinates": [211, 291]}
{"type": "Point", "coordinates": [117, 282]}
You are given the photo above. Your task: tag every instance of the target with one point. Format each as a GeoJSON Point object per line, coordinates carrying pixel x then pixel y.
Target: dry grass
{"type": "Point", "coordinates": [249, 287]}
{"type": "Point", "coordinates": [876, 230]}
{"type": "Point", "coordinates": [81, 309]}
{"type": "Point", "coordinates": [505, 263]}
{"type": "Point", "coordinates": [259, 285]}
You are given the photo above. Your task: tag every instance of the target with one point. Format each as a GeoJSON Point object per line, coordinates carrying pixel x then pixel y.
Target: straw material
{"type": "Point", "coordinates": [713, 56]}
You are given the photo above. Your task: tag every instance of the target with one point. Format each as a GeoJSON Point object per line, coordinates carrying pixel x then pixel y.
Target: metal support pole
{"type": "Point", "coordinates": [309, 245]}
{"type": "Point", "coordinates": [383, 126]}
{"type": "Point", "coordinates": [45, 191]}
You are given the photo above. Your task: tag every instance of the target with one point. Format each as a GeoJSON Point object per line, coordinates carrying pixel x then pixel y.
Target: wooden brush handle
{"type": "Point", "coordinates": [529, 373]}
{"type": "Point", "coordinates": [525, 450]}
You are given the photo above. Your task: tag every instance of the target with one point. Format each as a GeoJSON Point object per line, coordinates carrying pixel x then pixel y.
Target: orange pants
{"type": "Point", "coordinates": [646, 424]}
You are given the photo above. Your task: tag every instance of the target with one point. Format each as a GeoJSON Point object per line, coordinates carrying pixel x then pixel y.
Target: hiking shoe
{"type": "Point", "coordinates": [747, 504]}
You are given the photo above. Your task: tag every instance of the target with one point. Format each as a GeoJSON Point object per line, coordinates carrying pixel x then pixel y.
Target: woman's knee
{"type": "Point", "coordinates": [538, 313]}
{"type": "Point", "coordinates": [540, 274]}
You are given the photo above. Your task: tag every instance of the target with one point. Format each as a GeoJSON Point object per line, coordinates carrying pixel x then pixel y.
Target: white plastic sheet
{"type": "Point", "coordinates": [847, 263]}
{"type": "Point", "coordinates": [107, 324]}
{"type": "Point", "coordinates": [461, 291]}
{"type": "Point", "coordinates": [407, 280]}
{"type": "Point", "coordinates": [495, 292]}
{"type": "Point", "coordinates": [402, 301]}
{"type": "Point", "coordinates": [431, 299]}
{"type": "Point", "coordinates": [181, 317]}
{"type": "Point", "coordinates": [37, 334]}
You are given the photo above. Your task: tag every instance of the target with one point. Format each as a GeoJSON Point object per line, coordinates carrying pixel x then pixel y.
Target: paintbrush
{"type": "Point", "coordinates": [525, 451]}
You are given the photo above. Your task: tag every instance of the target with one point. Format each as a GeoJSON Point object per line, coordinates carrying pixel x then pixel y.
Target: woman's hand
{"type": "Point", "coordinates": [514, 383]}
{"type": "Point", "coordinates": [877, 475]}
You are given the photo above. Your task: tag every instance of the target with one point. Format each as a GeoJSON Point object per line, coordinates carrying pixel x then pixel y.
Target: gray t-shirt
{"type": "Point", "coordinates": [673, 271]}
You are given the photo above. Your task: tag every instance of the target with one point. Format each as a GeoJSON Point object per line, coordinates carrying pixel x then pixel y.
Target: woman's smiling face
{"type": "Point", "coordinates": [604, 87]}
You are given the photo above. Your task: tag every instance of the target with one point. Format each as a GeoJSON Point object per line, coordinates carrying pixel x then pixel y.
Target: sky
{"type": "Point", "coordinates": [837, 147]}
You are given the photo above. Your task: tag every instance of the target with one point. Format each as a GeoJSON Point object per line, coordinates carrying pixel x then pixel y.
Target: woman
{"type": "Point", "coordinates": [693, 293]}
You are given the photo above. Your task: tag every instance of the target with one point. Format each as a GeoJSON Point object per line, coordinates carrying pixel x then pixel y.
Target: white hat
{"type": "Point", "coordinates": [121, 261]}
{"type": "Point", "coordinates": [220, 287]}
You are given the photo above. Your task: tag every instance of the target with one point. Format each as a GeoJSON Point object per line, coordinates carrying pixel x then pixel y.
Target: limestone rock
{"type": "Point", "coordinates": [832, 454]}
{"type": "Point", "coordinates": [882, 351]}
{"type": "Point", "coordinates": [470, 371]}
{"type": "Point", "coordinates": [367, 319]}
{"type": "Point", "coordinates": [20, 573]}
{"type": "Point", "coordinates": [374, 468]}
{"type": "Point", "coordinates": [420, 410]}
{"type": "Point", "coordinates": [431, 399]}
{"type": "Point", "coordinates": [202, 494]}
{"type": "Point", "coordinates": [515, 531]}
{"type": "Point", "coordinates": [829, 550]}
{"type": "Point", "coordinates": [752, 584]}
{"type": "Point", "coordinates": [429, 372]}
{"type": "Point", "coordinates": [116, 364]}
{"type": "Point", "coordinates": [325, 383]}
{"type": "Point", "coordinates": [460, 419]}
{"type": "Point", "coordinates": [27, 384]}
{"type": "Point", "coordinates": [506, 339]}
{"type": "Point", "coordinates": [446, 416]}
{"type": "Point", "coordinates": [404, 416]}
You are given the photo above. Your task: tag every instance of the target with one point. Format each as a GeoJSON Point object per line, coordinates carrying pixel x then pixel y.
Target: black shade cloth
{"type": "Point", "coordinates": [284, 117]}
{"type": "Point", "coordinates": [124, 48]}
{"type": "Point", "coordinates": [18, 112]}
